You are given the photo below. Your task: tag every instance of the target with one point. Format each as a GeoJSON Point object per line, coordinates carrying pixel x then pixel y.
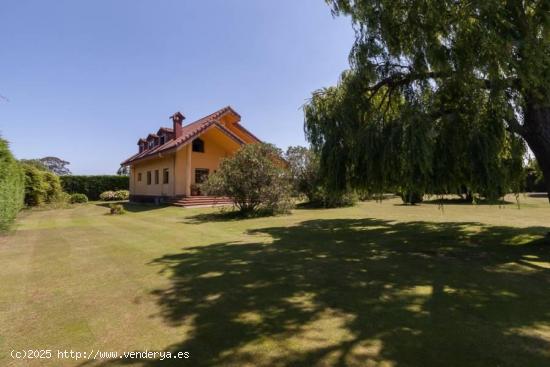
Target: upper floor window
{"type": "Point", "coordinates": [198, 145]}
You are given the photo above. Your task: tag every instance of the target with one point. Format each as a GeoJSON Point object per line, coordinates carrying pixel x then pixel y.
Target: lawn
{"type": "Point", "coordinates": [379, 284]}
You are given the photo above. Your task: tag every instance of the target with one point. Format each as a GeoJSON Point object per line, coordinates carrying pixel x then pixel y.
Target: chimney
{"type": "Point", "coordinates": [177, 119]}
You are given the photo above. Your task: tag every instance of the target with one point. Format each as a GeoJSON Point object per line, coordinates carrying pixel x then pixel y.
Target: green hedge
{"type": "Point", "coordinates": [12, 187]}
{"type": "Point", "coordinates": [92, 186]}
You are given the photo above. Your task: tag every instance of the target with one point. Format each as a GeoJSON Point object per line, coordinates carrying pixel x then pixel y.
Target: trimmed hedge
{"type": "Point", "coordinates": [93, 186]}
{"type": "Point", "coordinates": [12, 187]}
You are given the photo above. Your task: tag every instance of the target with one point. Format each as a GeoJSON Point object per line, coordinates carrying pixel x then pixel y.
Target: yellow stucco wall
{"type": "Point", "coordinates": [181, 169]}
{"type": "Point", "coordinates": [216, 147]}
{"type": "Point", "coordinates": [142, 188]}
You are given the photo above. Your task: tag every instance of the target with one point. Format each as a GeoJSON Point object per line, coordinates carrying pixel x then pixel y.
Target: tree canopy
{"type": "Point", "coordinates": [441, 96]}
{"type": "Point", "coordinates": [52, 164]}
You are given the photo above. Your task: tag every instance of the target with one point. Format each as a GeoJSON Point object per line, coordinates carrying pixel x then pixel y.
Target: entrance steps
{"type": "Point", "coordinates": [201, 201]}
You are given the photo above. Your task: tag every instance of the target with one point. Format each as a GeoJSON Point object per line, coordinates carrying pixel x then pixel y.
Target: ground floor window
{"type": "Point", "coordinates": [165, 176]}
{"type": "Point", "coordinates": [139, 177]}
{"type": "Point", "coordinates": [156, 177]}
{"type": "Point", "coordinates": [148, 177]}
{"type": "Point", "coordinates": [201, 174]}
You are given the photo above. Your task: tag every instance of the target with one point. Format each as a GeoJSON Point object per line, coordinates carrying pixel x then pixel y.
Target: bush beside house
{"type": "Point", "coordinates": [12, 189]}
{"type": "Point", "coordinates": [255, 179]}
{"type": "Point", "coordinates": [93, 186]}
{"type": "Point", "coordinates": [115, 195]}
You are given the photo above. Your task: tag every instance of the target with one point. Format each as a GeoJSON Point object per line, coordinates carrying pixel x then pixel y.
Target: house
{"type": "Point", "coordinates": [171, 163]}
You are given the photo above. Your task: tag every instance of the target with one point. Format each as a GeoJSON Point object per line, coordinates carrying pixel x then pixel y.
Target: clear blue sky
{"type": "Point", "coordinates": [86, 79]}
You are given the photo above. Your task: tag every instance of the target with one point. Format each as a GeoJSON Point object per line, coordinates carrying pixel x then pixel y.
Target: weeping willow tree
{"type": "Point", "coordinates": [442, 96]}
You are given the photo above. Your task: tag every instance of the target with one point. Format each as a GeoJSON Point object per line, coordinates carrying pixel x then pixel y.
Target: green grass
{"type": "Point", "coordinates": [378, 284]}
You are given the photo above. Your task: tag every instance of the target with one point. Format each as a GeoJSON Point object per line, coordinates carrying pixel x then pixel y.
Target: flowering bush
{"type": "Point", "coordinates": [107, 196]}
{"type": "Point", "coordinates": [114, 195]}
{"type": "Point", "coordinates": [122, 195]}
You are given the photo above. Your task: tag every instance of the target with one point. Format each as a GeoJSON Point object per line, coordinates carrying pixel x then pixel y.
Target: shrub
{"type": "Point", "coordinates": [93, 186]}
{"type": "Point", "coordinates": [338, 200]}
{"type": "Point", "coordinates": [41, 187]}
{"type": "Point", "coordinates": [114, 195]}
{"type": "Point", "coordinates": [303, 166]}
{"type": "Point", "coordinates": [12, 188]}
{"type": "Point", "coordinates": [107, 196]}
{"type": "Point", "coordinates": [326, 199]}
{"type": "Point", "coordinates": [410, 197]}
{"type": "Point", "coordinates": [254, 178]}
{"type": "Point", "coordinates": [35, 187]}
{"type": "Point", "coordinates": [122, 195]}
{"type": "Point", "coordinates": [116, 209]}
{"type": "Point", "coordinates": [53, 187]}
{"type": "Point", "coordinates": [78, 199]}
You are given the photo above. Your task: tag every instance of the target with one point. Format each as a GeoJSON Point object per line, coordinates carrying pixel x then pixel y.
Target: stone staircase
{"type": "Point", "coordinates": [192, 201]}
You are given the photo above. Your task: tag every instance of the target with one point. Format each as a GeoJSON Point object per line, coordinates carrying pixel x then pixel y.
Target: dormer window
{"type": "Point", "coordinates": [162, 139]}
{"type": "Point", "coordinates": [198, 145]}
{"type": "Point", "coordinates": [151, 144]}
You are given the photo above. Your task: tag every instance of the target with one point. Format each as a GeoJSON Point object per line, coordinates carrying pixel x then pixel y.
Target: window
{"type": "Point", "coordinates": [198, 145]}
{"type": "Point", "coordinates": [201, 174]}
{"type": "Point", "coordinates": [162, 140]}
{"type": "Point", "coordinates": [156, 177]}
{"type": "Point", "coordinates": [148, 177]}
{"type": "Point", "coordinates": [165, 176]}
{"type": "Point", "coordinates": [139, 177]}
{"type": "Point", "coordinates": [151, 144]}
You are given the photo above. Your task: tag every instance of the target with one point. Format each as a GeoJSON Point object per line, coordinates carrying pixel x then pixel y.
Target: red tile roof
{"type": "Point", "coordinates": [189, 132]}
{"type": "Point", "coordinates": [167, 129]}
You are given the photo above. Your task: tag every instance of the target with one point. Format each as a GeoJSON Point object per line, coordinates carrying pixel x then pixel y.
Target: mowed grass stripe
{"type": "Point", "coordinates": [122, 282]}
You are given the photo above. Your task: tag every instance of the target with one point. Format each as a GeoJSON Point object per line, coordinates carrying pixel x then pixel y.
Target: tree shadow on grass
{"type": "Point", "coordinates": [362, 292]}
{"type": "Point", "coordinates": [460, 201]}
{"type": "Point", "coordinates": [227, 214]}
{"type": "Point", "coordinates": [134, 207]}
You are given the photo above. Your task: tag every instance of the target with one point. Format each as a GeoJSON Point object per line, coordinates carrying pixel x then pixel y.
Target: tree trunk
{"type": "Point", "coordinates": [536, 132]}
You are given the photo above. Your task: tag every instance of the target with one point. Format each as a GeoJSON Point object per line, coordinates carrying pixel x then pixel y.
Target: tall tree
{"type": "Point", "coordinates": [56, 165]}
{"type": "Point", "coordinates": [443, 91]}
{"type": "Point", "coordinates": [123, 171]}
{"type": "Point", "coordinates": [52, 164]}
